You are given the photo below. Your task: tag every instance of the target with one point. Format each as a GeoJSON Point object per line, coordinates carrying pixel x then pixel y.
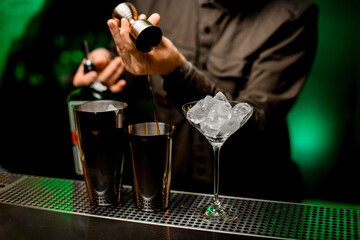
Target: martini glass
{"type": "Point", "coordinates": [217, 134]}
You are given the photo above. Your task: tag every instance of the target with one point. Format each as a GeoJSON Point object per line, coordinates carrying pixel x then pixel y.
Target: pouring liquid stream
{"type": "Point", "coordinates": [152, 96]}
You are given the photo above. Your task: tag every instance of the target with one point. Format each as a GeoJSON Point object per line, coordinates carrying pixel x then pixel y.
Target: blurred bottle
{"type": "Point", "coordinates": [96, 91]}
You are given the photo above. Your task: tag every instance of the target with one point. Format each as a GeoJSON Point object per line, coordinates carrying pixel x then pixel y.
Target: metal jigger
{"type": "Point", "coordinates": [145, 35]}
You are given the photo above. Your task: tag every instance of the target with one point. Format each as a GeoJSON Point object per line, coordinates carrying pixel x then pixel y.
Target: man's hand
{"type": "Point", "coordinates": [108, 71]}
{"type": "Point", "coordinates": [162, 60]}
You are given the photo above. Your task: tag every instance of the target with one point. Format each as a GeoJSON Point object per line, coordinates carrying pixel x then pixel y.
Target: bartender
{"type": "Point", "coordinates": [259, 52]}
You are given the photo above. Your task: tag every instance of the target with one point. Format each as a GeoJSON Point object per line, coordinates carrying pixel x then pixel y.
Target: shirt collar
{"type": "Point", "coordinates": [206, 2]}
{"type": "Point", "coordinates": [213, 4]}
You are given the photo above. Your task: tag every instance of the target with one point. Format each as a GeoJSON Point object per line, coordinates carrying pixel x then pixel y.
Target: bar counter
{"type": "Point", "coordinates": [33, 207]}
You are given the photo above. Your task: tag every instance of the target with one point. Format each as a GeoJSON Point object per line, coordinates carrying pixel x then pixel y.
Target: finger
{"type": "Point", "coordinates": [114, 78]}
{"type": "Point", "coordinates": [80, 70]}
{"type": "Point", "coordinates": [142, 16]}
{"type": "Point", "coordinates": [124, 33]}
{"type": "Point", "coordinates": [119, 86]}
{"type": "Point", "coordinates": [154, 18]}
{"type": "Point", "coordinates": [100, 57]}
{"type": "Point", "coordinates": [112, 72]}
{"type": "Point", "coordinates": [115, 32]}
{"type": "Point", "coordinates": [116, 75]}
{"type": "Point", "coordinates": [81, 80]}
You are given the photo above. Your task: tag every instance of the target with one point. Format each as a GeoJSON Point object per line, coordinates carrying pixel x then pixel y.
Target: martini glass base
{"type": "Point", "coordinates": [216, 213]}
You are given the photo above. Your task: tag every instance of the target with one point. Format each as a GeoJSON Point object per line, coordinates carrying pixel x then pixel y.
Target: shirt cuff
{"type": "Point", "coordinates": [177, 76]}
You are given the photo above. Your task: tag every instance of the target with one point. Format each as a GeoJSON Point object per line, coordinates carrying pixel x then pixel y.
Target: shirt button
{"type": "Point", "coordinates": [204, 67]}
{"type": "Point", "coordinates": [207, 29]}
{"type": "Point", "coordinates": [200, 171]}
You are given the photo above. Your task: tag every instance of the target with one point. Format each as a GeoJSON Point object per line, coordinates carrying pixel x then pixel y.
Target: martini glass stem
{"type": "Point", "coordinates": [216, 176]}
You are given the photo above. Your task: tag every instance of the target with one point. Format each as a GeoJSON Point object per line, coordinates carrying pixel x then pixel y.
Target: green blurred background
{"type": "Point", "coordinates": [41, 47]}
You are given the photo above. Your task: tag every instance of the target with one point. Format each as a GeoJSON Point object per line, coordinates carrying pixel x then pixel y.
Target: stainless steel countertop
{"type": "Point", "coordinates": [33, 207]}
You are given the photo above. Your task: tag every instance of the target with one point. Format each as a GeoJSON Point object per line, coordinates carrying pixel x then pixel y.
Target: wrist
{"type": "Point", "coordinates": [180, 68]}
{"type": "Point", "coordinates": [176, 78]}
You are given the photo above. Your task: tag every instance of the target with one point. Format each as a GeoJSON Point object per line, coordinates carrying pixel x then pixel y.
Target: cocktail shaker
{"type": "Point", "coordinates": [144, 34]}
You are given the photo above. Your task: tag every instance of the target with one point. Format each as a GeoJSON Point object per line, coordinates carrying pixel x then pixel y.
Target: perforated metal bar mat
{"type": "Point", "coordinates": [256, 217]}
